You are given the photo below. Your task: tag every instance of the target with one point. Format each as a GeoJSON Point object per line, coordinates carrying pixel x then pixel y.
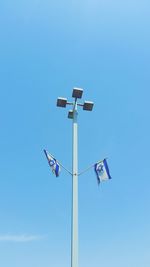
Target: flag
{"type": "Point", "coordinates": [102, 171]}
{"type": "Point", "coordinates": [52, 163]}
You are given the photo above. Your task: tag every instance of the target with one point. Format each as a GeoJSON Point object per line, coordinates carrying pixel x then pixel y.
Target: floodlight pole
{"type": "Point", "coordinates": [74, 241]}
{"type": "Point", "coordinates": [73, 114]}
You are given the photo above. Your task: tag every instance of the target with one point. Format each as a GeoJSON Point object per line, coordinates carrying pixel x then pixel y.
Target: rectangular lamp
{"type": "Point", "coordinates": [88, 105]}
{"type": "Point", "coordinates": [61, 102]}
{"type": "Point", "coordinates": [77, 92]}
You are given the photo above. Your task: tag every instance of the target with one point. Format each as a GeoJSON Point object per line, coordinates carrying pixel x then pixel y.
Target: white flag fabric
{"type": "Point", "coordinates": [102, 171]}
{"type": "Point", "coordinates": [52, 163]}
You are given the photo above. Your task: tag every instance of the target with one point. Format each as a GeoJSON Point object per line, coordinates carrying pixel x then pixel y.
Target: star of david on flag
{"type": "Point", "coordinates": [52, 163]}
{"type": "Point", "coordinates": [102, 171]}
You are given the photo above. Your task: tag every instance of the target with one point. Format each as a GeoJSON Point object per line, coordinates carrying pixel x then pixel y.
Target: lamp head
{"type": "Point", "coordinates": [70, 114]}
{"type": "Point", "coordinates": [88, 105]}
{"type": "Point", "coordinates": [77, 92]}
{"type": "Point", "coordinates": [61, 102]}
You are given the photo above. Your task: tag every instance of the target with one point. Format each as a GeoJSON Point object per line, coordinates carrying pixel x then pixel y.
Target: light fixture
{"type": "Point", "coordinates": [61, 102]}
{"type": "Point", "coordinates": [88, 105]}
{"type": "Point", "coordinates": [77, 92]}
{"type": "Point", "coordinates": [70, 114]}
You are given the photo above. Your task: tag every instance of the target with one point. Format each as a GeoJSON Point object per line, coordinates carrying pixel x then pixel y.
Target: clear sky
{"type": "Point", "coordinates": [47, 48]}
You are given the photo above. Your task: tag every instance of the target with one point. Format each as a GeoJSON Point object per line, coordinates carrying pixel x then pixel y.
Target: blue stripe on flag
{"type": "Point", "coordinates": [57, 170]}
{"type": "Point", "coordinates": [46, 154]}
{"type": "Point", "coordinates": [98, 179]}
{"type": "Point", "coordinates": [107, 169]}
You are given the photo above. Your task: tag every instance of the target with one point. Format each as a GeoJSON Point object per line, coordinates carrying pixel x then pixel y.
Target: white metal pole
{"type": "Point", "coordinates": [74, 245]}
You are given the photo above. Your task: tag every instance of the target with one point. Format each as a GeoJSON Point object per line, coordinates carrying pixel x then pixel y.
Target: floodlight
{"type": "Point", "coordinates": [77, 92]}
{"type": "Point", "coordinates": [88, 105]}
{"type": "Point", "coordinates": [61, 102]}
{"type": "Point", "coordinates": [70, 114]}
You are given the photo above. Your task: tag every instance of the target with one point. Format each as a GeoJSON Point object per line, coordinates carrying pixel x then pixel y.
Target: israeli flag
{"type": "Point", "coordinates": [102, 171]}
{"type": "Point", "coordinates": [52, 163]}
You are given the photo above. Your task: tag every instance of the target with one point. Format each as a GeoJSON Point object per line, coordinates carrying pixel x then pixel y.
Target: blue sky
{"type": "Point", "coordinates": [47, 48]}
